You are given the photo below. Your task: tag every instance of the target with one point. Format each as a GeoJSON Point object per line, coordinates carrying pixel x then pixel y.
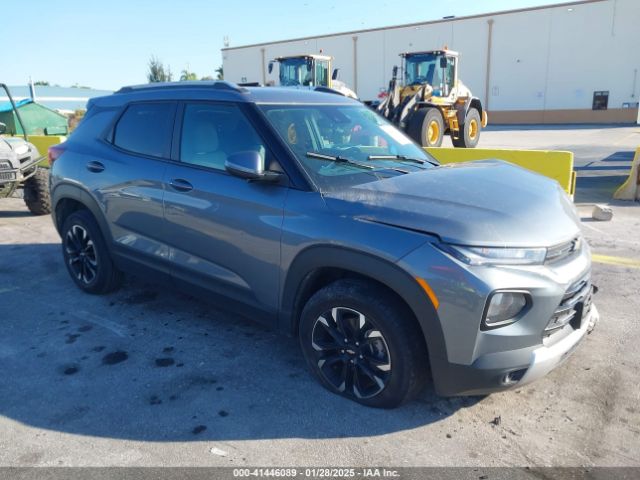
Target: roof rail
{"type": "Point", "coordinates": [217, 84]}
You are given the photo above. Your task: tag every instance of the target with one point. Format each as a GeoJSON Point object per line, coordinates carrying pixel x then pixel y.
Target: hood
{"type": "Point", "coordinates": [13, 145]}
{"type": "Point", "coordinates": [483, 203]}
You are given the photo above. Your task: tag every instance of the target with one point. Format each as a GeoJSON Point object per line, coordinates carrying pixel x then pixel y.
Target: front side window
{"type": "Point", "coordinates": [213, 132]}
{"type": "Point", "coordinates": [146, 128]}
{"type": "Point", "coordinates": [359, 145]}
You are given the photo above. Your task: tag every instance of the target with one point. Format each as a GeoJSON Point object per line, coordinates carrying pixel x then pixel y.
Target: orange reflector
{"type": "Point", "coordinates": [425, 286]}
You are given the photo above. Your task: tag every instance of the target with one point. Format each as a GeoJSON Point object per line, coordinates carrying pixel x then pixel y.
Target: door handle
{"type": "Point", "coordinates": [95, 167]}
{"type": "Point", "coordinates": [180, 185]}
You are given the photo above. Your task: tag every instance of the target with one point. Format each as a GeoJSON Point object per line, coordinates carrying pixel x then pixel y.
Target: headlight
{"type": "Point", "coordinates": [496, 255]}
{"type": "Point", "coordinates": [504, 308]}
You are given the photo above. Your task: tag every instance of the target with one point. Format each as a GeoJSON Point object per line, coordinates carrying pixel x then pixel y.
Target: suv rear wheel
{"type": "Point", "coordinates": [86, 255]}
{"type": "Point", "coordinates": [361, 343]}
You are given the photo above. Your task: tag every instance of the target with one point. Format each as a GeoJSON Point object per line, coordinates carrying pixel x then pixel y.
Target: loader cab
{"type": "Point", "coordinates": [437, 68]}
{"type": "Point", "coordinates": [304, 70]}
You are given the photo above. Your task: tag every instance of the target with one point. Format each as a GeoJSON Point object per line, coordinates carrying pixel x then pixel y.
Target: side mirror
{"type": "Point", "coordinates": [270, 67]}
{"type": "Point", "coordinates": [3, 128]}
{"type": "Point", "coordinates": [334, 76]}
{"type": "Point", "coordinates": [395, 71]}
{"type": "Point", "coordinates": [443, 62]}
{"type": "Point", "coordinates": [249, 165]}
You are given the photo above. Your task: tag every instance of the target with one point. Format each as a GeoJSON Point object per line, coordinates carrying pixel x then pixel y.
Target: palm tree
{"type": "Point", "coordinates": [187, 75]}
{"type": "Point", "coordinates": [157, 72]}
{"type": "Point", "coordinates": [220, 72]}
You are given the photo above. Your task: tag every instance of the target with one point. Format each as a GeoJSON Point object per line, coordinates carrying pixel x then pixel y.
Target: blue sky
{"type": "Point", "coordinates": [108, 44]}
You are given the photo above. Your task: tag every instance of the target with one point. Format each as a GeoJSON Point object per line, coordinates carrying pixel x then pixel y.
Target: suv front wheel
{"type": "Point", "coordinates": [86, 255]}
{"type": "Point", "coordinates": [362, 343]}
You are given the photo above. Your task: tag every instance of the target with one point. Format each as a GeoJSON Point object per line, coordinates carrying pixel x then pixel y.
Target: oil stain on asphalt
{"type": "Point", "coordinates": [114, 357]}
{"type": "Point", "coordinates": [164, 362]}
{"type": "Point", "coordinates": [199, 429]}
{"type": "Point", "coordinates": [71, 370]}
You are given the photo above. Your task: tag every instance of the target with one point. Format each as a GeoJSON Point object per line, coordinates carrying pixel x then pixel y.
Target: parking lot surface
{"type": "Point", "coordinates": [151, 377]}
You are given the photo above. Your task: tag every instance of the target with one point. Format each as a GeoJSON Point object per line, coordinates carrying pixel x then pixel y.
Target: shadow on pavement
{"type": "Point", "coordinates": [598, 189]}
{"type": "Point", "coordinates": [146, 363]}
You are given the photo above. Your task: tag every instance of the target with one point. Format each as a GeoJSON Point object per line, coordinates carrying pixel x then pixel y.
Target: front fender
{"type": "Point", "coordinates": [404, 285]}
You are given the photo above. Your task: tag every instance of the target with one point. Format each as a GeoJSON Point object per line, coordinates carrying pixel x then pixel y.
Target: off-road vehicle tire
{"type": "Point", "coordinates": [470, 131]}
{"type": "Point", "coordinates": [86, 256]}
{"type": "Point", "coordinates": [36, 192]}
{"type": "Point", "coordinates": [426, 127]}
{"type": "Point", "coordinates": [360, 342]}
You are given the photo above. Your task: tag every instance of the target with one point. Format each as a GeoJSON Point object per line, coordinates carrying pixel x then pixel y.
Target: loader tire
{"type": "Point", "coordinates": [470, 131]}
{"type": "Point", "coordinates": [426, 127]}
{"type": "Point", "coordinates": [36, 193]}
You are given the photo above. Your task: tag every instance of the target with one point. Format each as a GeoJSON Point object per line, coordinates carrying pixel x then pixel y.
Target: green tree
{"type": "Point", "coordinates": [220, 72]}
{"type": "Point", "coordinates": [207, 77]}
{"type": "Point", "coordinates": [42, 83]}
{"type": "Point", "coordinates": [157, 71]}
{"type": "Point", "coordinates": [187, 75]}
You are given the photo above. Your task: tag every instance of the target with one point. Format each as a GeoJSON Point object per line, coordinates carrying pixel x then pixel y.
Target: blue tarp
{"type": "Point", "coordinates": [6, 106]}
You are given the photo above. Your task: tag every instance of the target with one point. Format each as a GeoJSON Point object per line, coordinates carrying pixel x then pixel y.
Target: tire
{"type": "Point", "coordinates": [426, 127]}
{"type": "Point", "coordinates": [86, 255]}
{"type": "Point", "coordinates": [470, 130]}
{"type": "Point", "coordinates": [36, 192]}
{"type": "Point", "coordinates": [384, 362]}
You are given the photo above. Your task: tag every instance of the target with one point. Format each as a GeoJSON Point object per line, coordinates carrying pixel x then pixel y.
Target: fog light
{"type": "Point", "coordinates": [504, 308]}
{"type": "Point", "coordinates": [514, 377]}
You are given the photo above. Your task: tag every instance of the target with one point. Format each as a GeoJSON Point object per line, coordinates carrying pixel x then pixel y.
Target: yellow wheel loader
{"type": "Point", "coordinates": [310, 71]}
{"type": "Point", "coordinates": [432, 101]}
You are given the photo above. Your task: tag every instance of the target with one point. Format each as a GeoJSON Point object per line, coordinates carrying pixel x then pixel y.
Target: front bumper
{"type": "Point", "coordinates": [511, 369]}
{"type": "Point", "coordinates": [27, 169]}
{"type": "Point", "coordinates": [545, 359]}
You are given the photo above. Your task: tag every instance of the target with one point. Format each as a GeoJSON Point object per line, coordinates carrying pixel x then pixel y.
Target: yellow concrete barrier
{"type": "Point", "coordinates": [630, 189]}
{"type": "Point", "coordinates": [557, 165]}
{"type": "Point", "coordinates": [43, 142]}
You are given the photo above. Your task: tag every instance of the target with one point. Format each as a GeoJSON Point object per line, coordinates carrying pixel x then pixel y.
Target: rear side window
{"type": "Point", "coordinates": [146, 128]}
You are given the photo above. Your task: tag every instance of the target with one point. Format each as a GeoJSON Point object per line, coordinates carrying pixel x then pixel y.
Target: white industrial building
{"type": "Point", "coordinates": [574, 62]}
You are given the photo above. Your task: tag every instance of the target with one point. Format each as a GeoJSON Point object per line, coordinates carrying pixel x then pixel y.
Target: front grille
{"type": "Point", "coordinates": [575, 304]}
{"type": "Point", "coordinates": [7, 175]}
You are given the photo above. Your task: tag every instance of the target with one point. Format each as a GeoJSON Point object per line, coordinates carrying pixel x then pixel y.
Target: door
{"type": "Point", "coordinates": [223, 231]}
{"type": "Point", "coordinates": [131, 174]}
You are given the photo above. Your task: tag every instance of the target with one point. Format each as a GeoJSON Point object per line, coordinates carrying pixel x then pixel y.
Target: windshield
{"type": "Point", "coordinates": [333, 142]}
{"type": "Point", "coordinates": [422, 68]}
{"type": "Point", "coordinates": [295, 71]}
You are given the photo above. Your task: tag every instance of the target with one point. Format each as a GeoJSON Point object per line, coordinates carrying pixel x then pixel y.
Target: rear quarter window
{"type": "Point", "coordinates": [146, 128]}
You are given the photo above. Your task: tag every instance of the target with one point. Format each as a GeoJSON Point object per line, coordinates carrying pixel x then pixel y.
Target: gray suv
{"type": "Point", "coordinates": [310, 212]}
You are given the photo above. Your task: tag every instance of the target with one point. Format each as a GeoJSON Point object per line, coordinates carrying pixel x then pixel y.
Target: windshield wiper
{"type": "Point", "coordinates": [338, 159]}
{"type": "Point", "coordinates": [401, 158]}
{"type": "Point", "coordinates": [348, 161]}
